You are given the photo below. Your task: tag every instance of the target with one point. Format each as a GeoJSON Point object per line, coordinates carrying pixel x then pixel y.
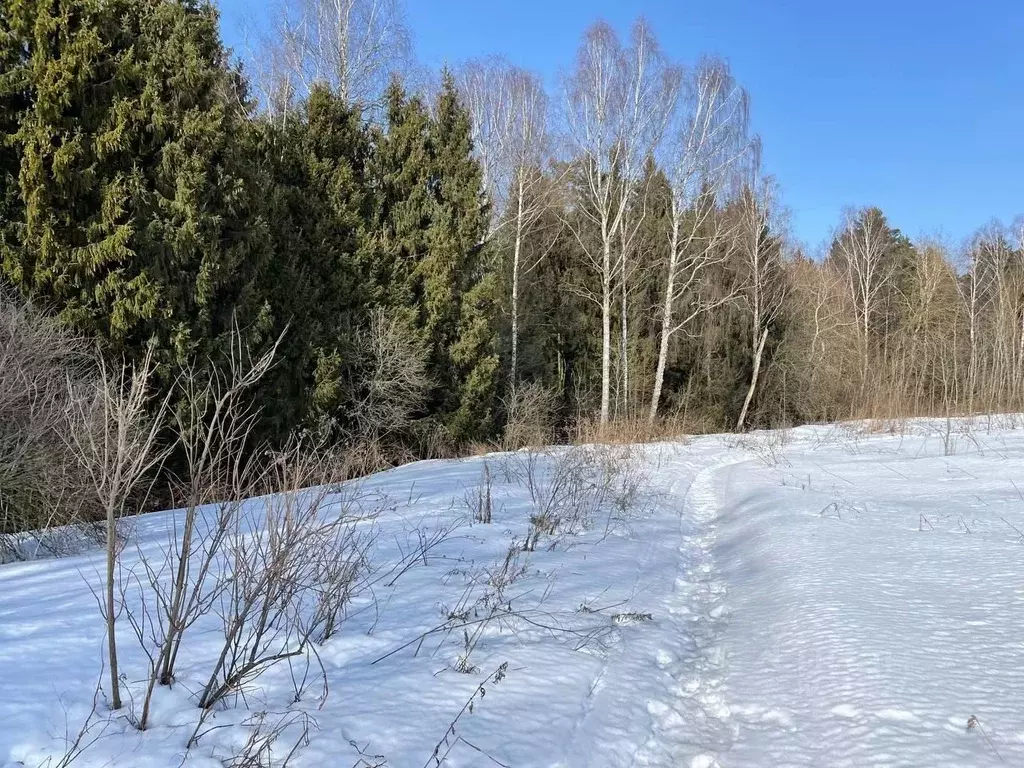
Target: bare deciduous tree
{"type": "Point", "coordinates": [976, 298]}
{"type": "Point", "coordinates": [524, 125]}
{"type": "Point", "coordinates": [44, 369]}
{"type": "Point", "coordinates": [863, 248]}
{"type": "Point", "coordinates": [354, 46]}
{"type": "Point", "coordinates": [529, 416]}
{"type": "Point", "coordinates": [821, 339]}
{"type": "Point", "coordinates": [482, 85]}
{"type": "Point", "coordinates": [509, 111]}
{"type": "Point", "coordinates": [617, 102]}
{"type": "Point", "coordinates": [213, 424]}
{"type": "Point", "coordinates": [707, 139]}
{"type": "Point", "coordinates": [762, 289]}
{"type": "Point", "coordinates": [390, 380]}
{"type": "Point", "coordinates": [924, 354]}
{"type": "Point", "coordinates": [1000, 264]}
{"type": "Point", "coordinates": [116, 443]}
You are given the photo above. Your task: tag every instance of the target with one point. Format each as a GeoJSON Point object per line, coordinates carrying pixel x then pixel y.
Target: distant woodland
{"type": "Point", "coordinates": [437, 260]}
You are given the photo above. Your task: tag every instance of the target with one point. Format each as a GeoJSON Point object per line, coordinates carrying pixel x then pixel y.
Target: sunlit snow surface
{"type": "Point", "coordinates": [828, 596]}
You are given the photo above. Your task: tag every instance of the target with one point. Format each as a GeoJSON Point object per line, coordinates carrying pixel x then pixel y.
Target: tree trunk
{"type": "Point", "coordinates": [516, 254]}
{"type": "Point", "coordinates": [115, 686]}
{"type": "Point", "coordinates": [972, 360]}
{"type": "Point", "coordinates": [758, 353]}
{"type": "Point", "coordinates": [666, 321]}
{"type": "Point", "coordinates": [606, 330]}
{"type": "Point", "coordinates": [624, 342]}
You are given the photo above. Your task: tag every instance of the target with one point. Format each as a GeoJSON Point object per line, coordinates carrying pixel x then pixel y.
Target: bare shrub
{"type": "Point", "coordinates": [118, 452]}
{"type": "Point", "coordinates": [570, 487]}
{"type": "Point", "coordinates": [266, 731]}
{"type": "Point", "coordinates": [492, 604]}
{"type": "Point", "coordinates": [294, 555]}
{"type": "Point", "coordinates": [769, 446]}
{"type": "Point", "coordinates": [43, 487]}
{"type": "Point", "coordinates": [488, 602]}
{"type": "Point", "coordinates": [435, 440]}
{"type": "Point", "coordinates": [213, 424]}
{"type": "Point", "coordinates": [267, 541]}
{"type": "Point", "coordinates": [421, 540]}
{"type": "Point", "coordinates": [529, 416]}
{"type": "Point", "coordinates": [626, 481]}
{"type": "Point", "coordinates": [390, 382]}
{"type": "Point", "coordinates": [484, 601]}
{"type": "Point", "coordinates": [266, 739]}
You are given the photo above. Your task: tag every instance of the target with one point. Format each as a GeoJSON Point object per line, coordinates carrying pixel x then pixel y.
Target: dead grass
{"type": "Point", "coordinates": [634, 431]}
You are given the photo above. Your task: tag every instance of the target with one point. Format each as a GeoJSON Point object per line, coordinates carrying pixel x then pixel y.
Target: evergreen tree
{"type": "Point", "coordinates": [427, 263]}
{"type": "Point", "coordinates": [12, 104]}
{"type": "Point", "coordinates": [402, 171]}
{"type": "Point", "coordinates": [138, 221]}
{"type": "Point", "coordinates": [459, 293]}
{"type": "Point", "coordinates": [318, 209]}
{"type": "Point", "coordinates": [557, 343]}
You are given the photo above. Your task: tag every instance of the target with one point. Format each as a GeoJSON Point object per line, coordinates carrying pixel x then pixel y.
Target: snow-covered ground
{"type": "Point", "coordinates": [827, 596]}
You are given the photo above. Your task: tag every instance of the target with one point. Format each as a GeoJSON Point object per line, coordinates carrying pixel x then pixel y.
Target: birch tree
{"type": "Point", "coordinates": [999, 269]}
{"type": "Point", "coordinates": [617, 100]}
{"type": "Point", "coordinates": [820, 340]}
{"type": "Point", "coordinates": [864, 249]}
{"type": "Point", "coordinates": [705, 143]}
{"type": "Point", "coordinates": [762, 290]}
{"type": "Point", "coordinates": [524, 129]}
{"type": "Point", "coordinates": [352, 45]}
{"type": "Point", "coordinates": [509, 109]}
{"type": "Point", "coordinates": [483, 88]}
{"type": "Point", "coordinates": [931, 313]}
{"type": "Point", "coordinates": [973, 299]}
{"type": "Point", "coordinates": [654, 90]}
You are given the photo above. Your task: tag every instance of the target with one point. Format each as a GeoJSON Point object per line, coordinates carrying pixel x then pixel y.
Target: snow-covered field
{"type": "Point", "coordinates": [827, 596]}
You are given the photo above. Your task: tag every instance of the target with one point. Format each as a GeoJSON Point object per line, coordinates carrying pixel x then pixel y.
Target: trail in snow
{"type": "Point", "coordinates": [877, 598]}
{"type": "Point", "coordinates": [692, 720]}
{"type": "Point", "coordinates": [651, 653]}
{"type": "Point", "coordinates": [848, 599]}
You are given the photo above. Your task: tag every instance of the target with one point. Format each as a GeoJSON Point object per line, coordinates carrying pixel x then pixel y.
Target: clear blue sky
{"type": "Point", "coordinates": [914, 106]}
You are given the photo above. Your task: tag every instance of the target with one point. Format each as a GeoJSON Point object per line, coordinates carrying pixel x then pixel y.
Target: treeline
{"type": "Point", "coordinates": [470, 260]}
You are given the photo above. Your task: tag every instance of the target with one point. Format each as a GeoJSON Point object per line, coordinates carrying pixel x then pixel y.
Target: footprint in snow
{"type": "Point", "coordinates": [758, 714]}
{"type": "Point", "coordinates": [845, 710]}
{"type": "Point", "coordinates": [897, 715]}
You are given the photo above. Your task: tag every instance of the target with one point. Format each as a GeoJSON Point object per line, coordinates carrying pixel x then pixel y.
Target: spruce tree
{"type": "Point", "coordinates": [12, 104]}
{"type": "Point", "coordinates": [427, 263]}
{"type": "Point", "coordinates": [138, 222]}
{"type": "Point", "coordinates": [318, 210]}
{"type": "Point", "coordinates": [460, 292]}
